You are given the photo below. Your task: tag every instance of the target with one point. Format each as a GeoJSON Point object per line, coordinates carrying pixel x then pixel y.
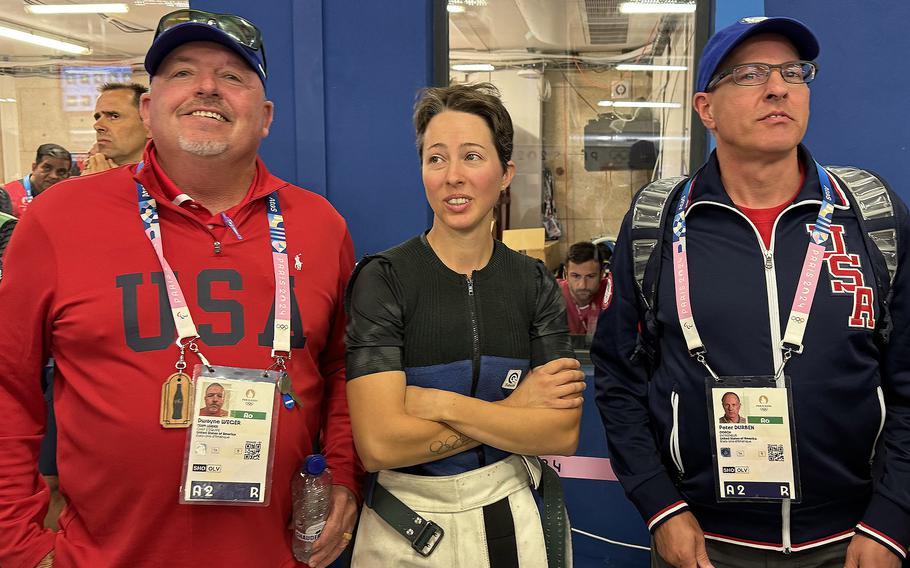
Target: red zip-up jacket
{"type": "Point", "coordinates": [17, 196]}
{"type": "Point", "coordinates": [81, 283]}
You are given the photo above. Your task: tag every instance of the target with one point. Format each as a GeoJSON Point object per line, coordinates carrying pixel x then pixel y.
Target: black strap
{"type": "Point", "coordinates": [424, 535]}
{"type": "Point", "coordinates": [7, 224]}
{"type": "Point", "coordinates": [555, 523]}
{"type": "Point", "coordinates": [499, 526]}
{"type": "Point", "coordinates": [6, 204]}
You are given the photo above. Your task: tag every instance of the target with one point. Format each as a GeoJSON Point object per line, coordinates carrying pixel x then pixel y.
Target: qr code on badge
{"type": "Point", "coordinates": [251, 450]}
{"type": "Point", "coordinates": [775, 452]}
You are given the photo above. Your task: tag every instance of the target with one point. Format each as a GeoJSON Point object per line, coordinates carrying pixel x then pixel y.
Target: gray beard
{"type": "Point", "coordinates": [202, 148]}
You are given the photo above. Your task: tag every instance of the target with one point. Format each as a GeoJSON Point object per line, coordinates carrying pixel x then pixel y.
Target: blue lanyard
{"type": "Point", "coordinates": [805, 291]}
{"type": "Point", "coordinates": [27, 184]}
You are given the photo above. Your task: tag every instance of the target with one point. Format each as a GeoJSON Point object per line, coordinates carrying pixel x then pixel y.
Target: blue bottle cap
{"type": "Point", "coordinates": [315, 464]}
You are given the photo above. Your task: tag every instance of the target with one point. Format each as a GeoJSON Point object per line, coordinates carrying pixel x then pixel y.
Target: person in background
{"type": "Point", "coordinates": [585, 287]}
{"type": "Point", "coordinates": [52, 164]}
{"type": "Point", "coordinates": [460, 366]}
{"type": "Point", "coordinates": [119, 131]}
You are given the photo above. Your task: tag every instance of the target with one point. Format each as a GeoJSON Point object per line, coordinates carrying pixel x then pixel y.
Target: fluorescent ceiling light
{"type": "Point", "coordinates": [118, 8]}
{"type": "Point", "coordinates": [638, 104]}
{"type": "Point", "coordinates": [165, 3]}
{"type": "Point", "coordinates": [455, 8]}
{"type": "Point", "coordinates": [645, 67]}
{"type": "Point", "coordinates": [630, 138]}
{"type": "Point", "coordinates": [657, 7]}
{"type": "Point", "coordinates": [473, 67]}
{"type": "Point", "coordinates": [44, 41]}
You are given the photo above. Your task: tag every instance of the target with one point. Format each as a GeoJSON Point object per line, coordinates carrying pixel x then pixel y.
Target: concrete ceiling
{"type": "Point", "coordinates": [112, 37]}
{"type": "Point", "coordinates": [548, 26]}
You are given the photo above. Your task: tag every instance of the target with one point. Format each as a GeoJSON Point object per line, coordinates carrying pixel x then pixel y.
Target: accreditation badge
{"type": "Point", "coordinates": [753, 439]}
{"type": "Point", "coordinates": [230, 445]}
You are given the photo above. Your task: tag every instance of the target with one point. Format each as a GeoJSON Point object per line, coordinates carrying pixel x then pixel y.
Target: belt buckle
{"type": "Point", "coordinates": [425, 543]}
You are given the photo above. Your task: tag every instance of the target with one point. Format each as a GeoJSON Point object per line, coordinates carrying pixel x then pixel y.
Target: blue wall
{"type": "Point", "coordinates": [343, 75]}
{"type": "Point", "coordinates": [378, 55]}
{"type": "Point", "coordinates": [859, 108]}
{"type": "Point", "coordinates": [728, 11]}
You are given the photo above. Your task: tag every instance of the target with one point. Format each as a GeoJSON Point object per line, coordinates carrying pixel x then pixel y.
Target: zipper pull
{"type": "Point", "coordinates": [769, 260]}
{"type": "Point", "coordinates": [230, 223]}
{"type": "Point", "coordinates": [470, 286]}
{"type": "Point", "coordinates": [217, 246]}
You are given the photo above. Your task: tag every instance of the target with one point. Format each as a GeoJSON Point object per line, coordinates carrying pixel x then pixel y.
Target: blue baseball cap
{"type": "Point", "coordinates": [724, 41]}
{"type": "Point", "coordinates": [184, 26]}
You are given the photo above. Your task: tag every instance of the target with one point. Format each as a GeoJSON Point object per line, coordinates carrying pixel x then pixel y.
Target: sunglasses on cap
{"type": "Point", "coordinates": [239, 29]}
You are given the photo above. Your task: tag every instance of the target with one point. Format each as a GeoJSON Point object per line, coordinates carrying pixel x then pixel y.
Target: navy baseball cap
{"type": "Point", "coordinates": [724, 41]}
{"type": "Point", "coordinates": [184, 26]}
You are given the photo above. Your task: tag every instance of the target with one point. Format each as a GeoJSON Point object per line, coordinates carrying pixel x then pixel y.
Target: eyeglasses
{"type": "Point", "coordinates": [239, 29]}
{"type": "Point", "coordinates": [751, 74]}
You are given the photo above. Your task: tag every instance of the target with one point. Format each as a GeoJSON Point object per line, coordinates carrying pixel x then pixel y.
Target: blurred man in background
{"type": "Point", "coordinates": [119, 131]}
{"type": "Point", "coordinates": [52, 164]}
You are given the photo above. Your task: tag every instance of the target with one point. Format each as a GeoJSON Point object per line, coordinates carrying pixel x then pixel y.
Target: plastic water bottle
{"type": "Point", "coordinates": [310, 489]}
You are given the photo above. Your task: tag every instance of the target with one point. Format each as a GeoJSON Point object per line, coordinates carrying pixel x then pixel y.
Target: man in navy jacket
{"type": "Point", "coordinates": [746, 239]}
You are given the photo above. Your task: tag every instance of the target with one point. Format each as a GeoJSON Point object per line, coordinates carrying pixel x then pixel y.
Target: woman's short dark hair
{"type": "Point", "coordinates": [53, 151]}
{"type": "Point", "coordinates": [481, 99]}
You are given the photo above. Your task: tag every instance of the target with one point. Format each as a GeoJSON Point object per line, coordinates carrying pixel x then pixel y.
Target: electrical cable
{"type": "Point", "coordinates": [609, 541]}
{"type": "Point", "coordinates": [569, 83]}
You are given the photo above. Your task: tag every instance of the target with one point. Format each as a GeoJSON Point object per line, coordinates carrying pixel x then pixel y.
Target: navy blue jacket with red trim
{"type": "Point", "coordinates": [847, 390]}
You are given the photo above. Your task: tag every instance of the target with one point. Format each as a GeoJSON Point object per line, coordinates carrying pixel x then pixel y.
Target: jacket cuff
{"type": "Point", "coordinates": [658, 500]}
{"type": "Point", "coordinates": [887, 524]}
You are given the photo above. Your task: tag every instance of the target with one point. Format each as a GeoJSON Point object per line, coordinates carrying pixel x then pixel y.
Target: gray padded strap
{"type": "Point", "coordinates": [874, 204]}
{"type": "Point", "coordinates": [647, 213]}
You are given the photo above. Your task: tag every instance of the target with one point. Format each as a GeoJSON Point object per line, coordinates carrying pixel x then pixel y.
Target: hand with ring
{"type": "Point", "coordinates": [338, 528]}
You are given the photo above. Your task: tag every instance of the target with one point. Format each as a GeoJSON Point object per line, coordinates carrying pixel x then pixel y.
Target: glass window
{"type": "Point", "coordinates": [600, 94]}
{"type": "Point", "coordinates": [53, 65]}
{"type": "Point", "coordinates": [600, 97]}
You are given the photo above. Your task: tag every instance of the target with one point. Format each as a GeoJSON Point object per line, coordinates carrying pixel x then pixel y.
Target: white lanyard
{"type": "Point", "coordinates": [183, 320]}
{"type": "Point", "coordinates": [805, 291]}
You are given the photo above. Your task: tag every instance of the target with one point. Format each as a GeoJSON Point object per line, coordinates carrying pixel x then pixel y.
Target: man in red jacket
{"type": "Point", "coordinates": [52, 164]}
{"type": "Point", "coordinates": [108, 299]}
{"type": "Point", "coordinates": [584, 287]}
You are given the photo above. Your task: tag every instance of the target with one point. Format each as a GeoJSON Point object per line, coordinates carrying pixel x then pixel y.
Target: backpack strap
{"type": "Point", "coordinates": [876, 212]}
{"type": "Point", "coordinates": [649, 216]}
{"type": "Point", "coordinates": [649, 213]}
{"type": "Point", "coordinates": [871, 201]}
